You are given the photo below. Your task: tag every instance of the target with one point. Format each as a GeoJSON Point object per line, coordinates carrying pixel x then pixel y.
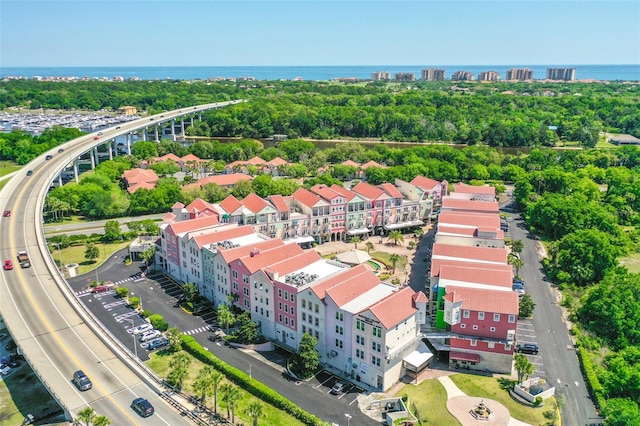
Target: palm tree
{"type": "Point", "coordinates": [255, 410]}
{"type": "Point", "coordinates": [230, 396]}
{"type": "Point", "coordinates": [396, 236]}
{"type": "Point", "coordinates": [225, 316]}
{"type": "Point", "coordinates": [101, 421]}
{"type": "Point", "coordinates": [216, 378]}
{"type": "Point", "coordinates": [418, 232]}
{"type": "Point", "coordinates": [394, 258]}
{"type": "Point", "coordinates": [203, 385]}
{"type": "Point", "coordinates": [179, 365]}
{"type": "Point", "coordinates": [516, 262]}
{"type": "Point", "coordinates": [369, 245]}
{"type": "Point", "coordinates": [412, 244]}
{"type": "Point", "coordinates": [86, 415]}
{"type": "Point", "coordinates": [516, 247]}
{"type": "Point", "coordinates": [355, 241]}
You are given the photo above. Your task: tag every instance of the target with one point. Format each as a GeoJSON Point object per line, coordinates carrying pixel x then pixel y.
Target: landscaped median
{"type": "Point", "coordinates": [254, 387]}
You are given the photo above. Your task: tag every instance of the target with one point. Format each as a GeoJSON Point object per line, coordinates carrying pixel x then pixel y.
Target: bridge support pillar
{"type": "Point", "coordinates": [111, 146]}
{"type": "Point", "coordinates": [75, 170]}
{"type": "Point", "coordinates": [60, 180]}
{"type": "Point", "coordinates": [92, 156]}
{"type": "Point", "coordinates": [192, 121]}
{"type": "Point", "coordinates": [129, 138]}
{"type": "Point", "coordinates": [182, 126]}
{"type": "Point", "coordinates": [97, 155]}
{"type": "Point", "coordinates": [157, 135]}
{"type": "Point", "coordinates": [144, 134]}
{"type": "Point", "coordinates": [173, 129]}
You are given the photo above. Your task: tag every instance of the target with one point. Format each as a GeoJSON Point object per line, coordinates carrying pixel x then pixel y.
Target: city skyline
{"type": "Point", "coordinates": [316, 33]}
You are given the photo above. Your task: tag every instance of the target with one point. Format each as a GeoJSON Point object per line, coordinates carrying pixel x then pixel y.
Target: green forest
{"type": "Point", "coordinates": [583, 203]}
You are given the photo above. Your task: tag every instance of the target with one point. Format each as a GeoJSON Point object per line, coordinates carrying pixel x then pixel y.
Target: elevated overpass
{"type": "Point", "coordinates": [51, 328]}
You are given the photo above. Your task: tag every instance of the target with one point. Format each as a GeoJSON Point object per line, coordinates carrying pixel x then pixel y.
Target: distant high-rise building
{"type": "Point", "coordinates": [566, 74]}
{"type": "Point", "coordinates": [463, 75]}
{"type": "Point", "coordinates": [432, 74]}
{"type": "Point", "coordinates": [380, 76]}
{"type": "Point", "coordinates": [520, 74]}
{"type": "Point", "coordinates": [489, 76]}
{"type": "Point", "coordinates": [404, 76]}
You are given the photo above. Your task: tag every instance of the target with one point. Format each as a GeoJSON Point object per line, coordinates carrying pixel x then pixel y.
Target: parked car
{"type": "Point", "coordinates": [81, 381]}
{"type": "Point", "coordinates": [157, 344]}
{"type": "Point", "coordinates": [11, 346]}
{"type": "Point", "coordinates": [5, 369]}
{"type": "Point", "coordinates": [142, 407]}
{"type": "Point", "coordinates": [100, 289]}
{"type": "Point", "coordinates": [518, 288]}
{"type": "Point", "coordinates": [149, 335]}
{"type": "Point", "coordinates": [527, 348]}
{"type": "Point", "coordinates": [339, 388]}
{"type": "Point", "coordinates": [141, 328]}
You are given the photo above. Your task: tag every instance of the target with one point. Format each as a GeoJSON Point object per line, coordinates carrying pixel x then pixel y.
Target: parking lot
{"type": "Point", "coordinates": [324, 381]}
{"type": "Point", "coordinates": [525, 333]}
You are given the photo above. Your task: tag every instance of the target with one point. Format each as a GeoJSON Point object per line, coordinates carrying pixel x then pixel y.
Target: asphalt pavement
{"type": "Point", "coordinates": [159, 296]}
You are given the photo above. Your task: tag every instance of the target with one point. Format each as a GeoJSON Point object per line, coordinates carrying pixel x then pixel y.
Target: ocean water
{"type": "Point", "coordinates": [362, 72]}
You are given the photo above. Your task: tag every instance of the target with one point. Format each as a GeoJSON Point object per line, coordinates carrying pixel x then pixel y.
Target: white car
{"type": "Point", "coordinates": [141, 328]}
{"type": "Point", "coordinates": [149, 335]}
{"type": "Point", "coordinates": [5, 370]}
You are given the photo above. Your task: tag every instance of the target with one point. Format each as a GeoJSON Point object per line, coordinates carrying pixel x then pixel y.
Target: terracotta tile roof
{"type": "Point", "coordinates": [324, 191]}
{"type": "Point", "coordinates": [134, 187]}
{"type": "Point", "coordinates": [255, 161]}
{"type": "Point", "coordinates": [343, 191]}
{"type": "Point", "coordinates": [201, 205]}
{"type": "Point", "coordinates": [254, 203]}
{"type": "Point", "coordinates": [229, 255]}
{"type": "Point", "coordinates": [438, 263]}
{"type": "Point", "coordinates": [296, 262]}
{"type": "Point", "coordinates": [479, 220]}
{"type": "Point", "coordinates": [306, 197]}
{"type": "Point", "coordinates": [391, 190]}
{"type": "Point", "coordinates": [350, 163]}
{"type": "Point", "coordinates": [349, 290]}
{"type": "Point", "coordinates": [221, 180]}
{"type": "Point", "coordinates": [368, 191]}
{"type": "Point", "coordinates": [420, 297]}
{"type": "Point", "coordinates": [487, 254]}
{"type": "Point", "coordinates": [171, 156]}
{"type": "Point", "coordinates": [270, 257]}
{"type": "Point", "coordinates": [177, 205]}
{"type": "Point", "coordinates": [453, 297]}
{"type": "Point", "coordinates": [168, 217]}
{"type": "Point", "coordinates": [425, 183]}
{"type": "Point", "coordinates": [499, 277]}
{"type": "Point", "coordinates": [279, 203]}
{"type": "Point", "coordinates": [395, 308]}
{"type": "Point", "coordinates": [230, 204]}
{"type": "Point", "coordinates": [139, 178]}
{"type": "Point", "coordinates": [372, 164]}
{"type": "Point", "coordinates": [490, 301]}
{"type": "Point", "coordinates": [277, 162]}
{"type": "Point", "coordinates": [470, 189]}
{"type": "Point", "coordinates": [190, 157]}
{"type": "Point", "coordinates": [225, 234]}
{"type": "Point", "coordinates": [344, 276]}
{"type": "Point", "coordinates": [193, 224]}
{"type": "Point", "coordinates": [457, 204]}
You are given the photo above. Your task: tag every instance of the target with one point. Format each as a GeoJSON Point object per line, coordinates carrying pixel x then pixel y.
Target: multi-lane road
{"type": "Point", "coordinates": [56, 335]}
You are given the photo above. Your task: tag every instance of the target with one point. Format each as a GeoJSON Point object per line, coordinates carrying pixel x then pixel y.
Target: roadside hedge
{"type": "Point", "coordinates": [595, 387]}
{"type": "Point", "coordinates": [254, 387]}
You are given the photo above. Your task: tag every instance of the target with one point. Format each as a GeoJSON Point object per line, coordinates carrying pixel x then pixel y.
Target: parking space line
{"type": "Point", "coordinates": [321, 384]}
{"type": "Point", "coordinates": [354, 400]}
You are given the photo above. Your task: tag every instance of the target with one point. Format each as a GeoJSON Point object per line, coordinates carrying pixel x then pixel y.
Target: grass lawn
{"type": "Point", "coordinates": [67, 220]}
{"type": "Point", "coordinates": [75, 254]}
{"type": "Point", "coordinates": [7, 167]}
{"type": "Point", "coordinates": [632, 262]}
{"type": "Point", "coordinates": [384, 257]}
{"type": "Point", "coordinates": [492, 388]}
{"type": "Point", "coordinates": [159, 363]}
{"type": "Point", "coordinates": [430, 399]}
{"type": "Point", "coordinates": [22, 393]}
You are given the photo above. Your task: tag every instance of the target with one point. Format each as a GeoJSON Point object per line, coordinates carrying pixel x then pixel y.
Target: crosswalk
{"type": "Point", "coordinates": [198, 330]}
{"type": "Point", "coordinates": [131, 278]}
{"type": "Point", "coordinates": [134, 277]}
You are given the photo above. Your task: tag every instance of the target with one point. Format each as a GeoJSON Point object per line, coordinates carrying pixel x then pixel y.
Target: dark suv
{"type": "Point", "coordinates": [81, 381]}
{"type": "Point", "coordinates": [142, 407]}
{"type": "Point", "coordinates": [527, 348]}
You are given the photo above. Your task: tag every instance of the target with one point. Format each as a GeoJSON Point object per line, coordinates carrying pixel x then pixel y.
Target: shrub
{"type": "Point", "coordinates": [537, 402]}
{"type": "Point", "coordinates": [122, 292]}
{"type": "Point", "coordinates": [134, 302]}
{"type": "Point", "coordinates": [146, 313]}
{"type": "Point", "coordinates": [158, 322]}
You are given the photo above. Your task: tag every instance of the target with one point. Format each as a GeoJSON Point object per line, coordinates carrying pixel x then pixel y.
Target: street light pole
{"type": "Point", "coordinates": [59, 255]}
{"type": "Point", "coordinates": [348, 416]}
{"type": "Point", "coordinates": [135, 346]}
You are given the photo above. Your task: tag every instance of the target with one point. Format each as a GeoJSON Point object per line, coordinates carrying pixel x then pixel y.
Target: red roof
{"type": "Point", "coordinates": [177, 205]}
{"type": "Point", "coordinates": [437, 263]}
{"type": "Point", "coordinates": [420, 297]}
{"type": "Point", "coordinates": [279, 203]}
{"type": "Point", "coordinates": [479, 254]}
{"type": "Point", "coordinates": [230, 204]}
{"type": "Point", "coordinates": [200, 205]}
{"type": "Point", "coordinates": [225, 234]}
{"type": "Point", "coordinates": [190, 157]}
{"type": "Point", "coordinates": [306, 197]}
{"type": "Point", "coordinates": [490, 301]}
{"type": "Point", "coordinates": [344, 192]}
{"type": "Point", "coordinates": [139, 178]}
{"type": "Point", "coordinates": [458, 204]}
{"type": "Point", "coordinates": [368, 191]}
{"type": "Point", "coordinates": [350, 163]}
{"type": "Point", "coordinates": [255, 161]}
{"type": "Point", "coordinates": [453, 297]}
{"type": "Point", "coordinates": [471, 189]}
{"type": "Point", "coordinates": [391, 190]}
{"type": "Point", "coordinates": [463, 356]}
{"type": "Point", "coordinates": [480, 220]}
{"type": "Point", "coordinates": [295, 263]}
{"type": "Point", "coordinates": [254, 203]}
{"type": "Point", "coordinates": [499, 277]}
{"type": "Point", "coordinates": [349, 290]}
{"type": "Point", "coordinates": [229, 255]}
{"type": "Point", "coordinates": [166, 157]}
{"type": "Point", "coordinates": [394, 308]}
{"type": "Point", "coordinates": [343, 276]}
{"type": "Point", "coordinates": [221, 180]}
{"type": "Point", "coordinates": [193, 224]}
{"type": "Point", "coordinates": [324, 191]}
{"type": "Point", "coordinates": [270, 257]}
{"type": "Point", "coordinates": [372, 164]}
{"type": "Point", "coordinates": [425, 183]}
{"type": "Point", "coordinates": [277, 162]}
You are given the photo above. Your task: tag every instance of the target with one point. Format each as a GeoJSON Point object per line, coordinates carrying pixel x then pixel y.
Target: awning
{"type": "Point", "coordinates": [358, 231]}
{"type": "Point", "coordinates": [419, 358]}
{"type": "Point", "coordinates": [391, 226]}
{"type": "Point", "coordinates": [300, 240]}
{"type": "Point", "coordinates": [463, 356]}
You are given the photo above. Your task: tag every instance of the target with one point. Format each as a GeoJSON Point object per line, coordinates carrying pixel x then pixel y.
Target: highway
{"type": "Point", "coordinates": [53, 331]}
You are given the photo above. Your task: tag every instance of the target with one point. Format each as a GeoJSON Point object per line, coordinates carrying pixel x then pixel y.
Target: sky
{"type": "Point", "coordinates": [313, 32]}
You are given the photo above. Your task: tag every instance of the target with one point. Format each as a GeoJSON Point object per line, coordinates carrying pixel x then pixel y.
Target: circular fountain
{"type": "Point", "coordinates": [481, 412]}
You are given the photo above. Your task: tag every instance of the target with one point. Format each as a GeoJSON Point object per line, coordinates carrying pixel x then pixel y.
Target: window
{"type": "Point", "coordinates": [245, 291]}
{"type": "Point", "coordinates": [473, 342]}
{"type": "Point", "coordinates": [375, 346]}
{"type": "Point", "coordinates": [463, 325]}
{"type": "Point", "coordinates": [359, 354]}
{"type": "Point", "coordinates": [304, 329]}
{"type": "Point", "coordinates": [310, 319]}
{"type": "Point", "coordinates": [360, 325]}
{"type": "Point", "coordinates": [496, 317]}
{"type": "Point", "coordinates": [338, 343]}
{"type": "Point", "coordinates": [286, 295]}
{"type": "Point", "coordinates": [317, 308]}
{"type": "Point", "coordinates": [292, 311]}
{"type": "Point", "coordinates": [235, 274]}
{"type": "Point", "coordinates": [245, 279]}
{"type": "Point", "coordinates": [339, 316]}
{"type": "Point", "coordinates": [360, 339]}
{"type": "Point", "coordinates": [512, 319]}
{"type": "Point", "coordinates": [491, 345]}
{"type": "Point", "coordinates": [279, 306]}
{"type": "Point", "coordinates": [492, 329]}
{"type": "Point", "coordinates": [465, 313]}
{"type": "Point", "coordinates": [293, 323]}
{"type": "Point", "coordinates": [291, 297]}
{"type": "Point", "coordinates": [507, 347]}
{"type": "Point", "coordinates": [377, 331]}
{"type": "Point", "coordinates": [304, 316]}
{"type": "Point", "coordinates": [317, 322]}
{"type": "Point", "coordinates": [280, 318]}
{"type": "Point", "coordinates": [481, 316]}
{"type": "Point", "coordinates": [475, 327]}
{"type": "Point", "coordinates": [339, 330]}
{"type": "Point", "coordinates": [286, 308]}
{"type": "Point", "coordinates": [304, 303]}
{"type": "Point", "coordinates": [375, 361]}
{"type": "Point", "coordinates": [279, 292]}
{"type": "Point", "coordinates": [317, 334]}
{"type": "Point", "coordinates": [286, 320]}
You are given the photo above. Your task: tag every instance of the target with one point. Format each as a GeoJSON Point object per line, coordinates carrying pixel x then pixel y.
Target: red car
{"type": "Point", "coordinates": [6, 213]}
{"type": "Point", "coordinates": [96, 138]}
{"type": "Point", "coordinates": [100, 289]}
{"type": "Point", "coordinates": [8, 265]}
